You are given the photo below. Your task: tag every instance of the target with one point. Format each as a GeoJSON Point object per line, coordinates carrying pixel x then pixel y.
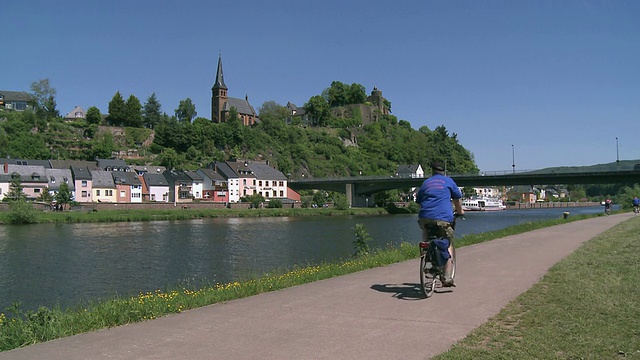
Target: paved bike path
{"type": "Point", "coordinates": [372, 314]}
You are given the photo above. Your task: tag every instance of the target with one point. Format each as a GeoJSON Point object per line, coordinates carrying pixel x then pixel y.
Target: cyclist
{"type": "Point", "coordinates": [435, 196]}
{"type": "Point", "coordinates": [607, 206]}
{"type": "Point", "coordinates": [636, 203]}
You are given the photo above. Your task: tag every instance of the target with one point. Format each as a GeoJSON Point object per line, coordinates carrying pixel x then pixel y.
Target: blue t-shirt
{"type": "Point", "coordinates": [435, 196]}
{"type": "Point", "coordinates": [636, 201]}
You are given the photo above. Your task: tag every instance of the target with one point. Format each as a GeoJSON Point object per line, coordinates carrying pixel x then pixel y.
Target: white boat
{"type": "Point", "coordinates": [483, 204]}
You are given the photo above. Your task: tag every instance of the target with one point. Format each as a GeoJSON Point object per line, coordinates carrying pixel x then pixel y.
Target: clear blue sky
{"type": "Point", "coordinates": [558, 80]}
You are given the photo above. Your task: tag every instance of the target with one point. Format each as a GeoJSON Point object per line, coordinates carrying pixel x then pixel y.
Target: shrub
{"type": "Point", "coordinates": [361, 243]}
{"type": "Point", "coordinates": [21, 212]}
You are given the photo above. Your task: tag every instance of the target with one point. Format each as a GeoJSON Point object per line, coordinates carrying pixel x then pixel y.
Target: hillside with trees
{"type": "Point", "coordinates": [334, 142]}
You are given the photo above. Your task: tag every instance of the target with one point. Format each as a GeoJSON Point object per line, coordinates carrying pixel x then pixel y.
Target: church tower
{"type": "Point", "coordinates": [218, 95]}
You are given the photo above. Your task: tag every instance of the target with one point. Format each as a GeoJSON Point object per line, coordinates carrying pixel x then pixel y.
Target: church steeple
{"type": "Point", "coordinates": [218, 95]}
{"type": "Point", "coordinates": [219, 84]}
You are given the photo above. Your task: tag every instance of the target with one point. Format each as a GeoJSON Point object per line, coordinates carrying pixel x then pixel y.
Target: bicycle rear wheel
{"type": "Point", "coordinates": [427, 278]}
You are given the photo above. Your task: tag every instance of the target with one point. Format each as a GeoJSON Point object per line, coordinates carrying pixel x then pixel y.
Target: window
{"type": "Point", "coordinates": [260, 183]}
{"type": "Point", "coordinates": [123, 193]}
{"type": "Point", "coordinates": [136, 195]}
{"type": "Point", "coordinates": [280, 183]}
{"type": "Point", "coordinates": [84, 183]}
{"type": "Point", "coordinates": [20, 105]}
{"type": "Point", "coordinates": [266, 183]}
{"type": "Point", "coordinates": [98, 192]}
{"type": "Point", "coordinates": [281, 193]}
{"type": "Point", "coordinates": [36, 191]}
{"type": "Point", "coordinates": [108, 192]}
{"type": "Point", "coordinates": [153, 197]}
{"type": "Point", "coordinates": [244, 181]}
{"type": "Point", "coordinates": [84, 193]}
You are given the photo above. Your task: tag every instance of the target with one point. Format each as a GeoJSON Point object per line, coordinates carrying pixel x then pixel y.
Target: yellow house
{"type": "Point", "coordinates": [103, 187]}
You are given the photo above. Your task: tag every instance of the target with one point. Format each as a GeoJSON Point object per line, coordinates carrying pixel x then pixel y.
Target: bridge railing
{"type": "Point", "coordinates": [383, 177]}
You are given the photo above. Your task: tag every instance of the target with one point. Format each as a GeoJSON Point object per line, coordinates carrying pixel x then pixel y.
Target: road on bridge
{"type": "Point", "coordinates": [367, 185]}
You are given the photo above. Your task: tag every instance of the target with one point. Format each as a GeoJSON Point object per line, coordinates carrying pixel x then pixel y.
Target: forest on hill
{"type": "Point", "coordinates": [327, 145]}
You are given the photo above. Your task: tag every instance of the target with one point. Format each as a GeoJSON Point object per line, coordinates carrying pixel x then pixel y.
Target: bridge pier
{"type": "Point", "coordinates": [350, 193]}
{"type": "Point", "coordinates": [355, 200]}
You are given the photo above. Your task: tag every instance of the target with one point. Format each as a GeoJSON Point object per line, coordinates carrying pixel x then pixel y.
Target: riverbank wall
{"type": "Point", "coordinates": [88, 207]}
{"type": "Point", "coordinates": [549, 205]}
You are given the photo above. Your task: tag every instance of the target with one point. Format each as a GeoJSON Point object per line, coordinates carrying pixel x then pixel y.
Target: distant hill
{"type": "Point", "coordinates": [623, 165]}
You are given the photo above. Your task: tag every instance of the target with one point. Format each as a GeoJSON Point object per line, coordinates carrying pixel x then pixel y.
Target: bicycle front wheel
{"type": "Point", "coordinates": [427, 278]}
{"type": "Point", "coordinates": [453, 261]}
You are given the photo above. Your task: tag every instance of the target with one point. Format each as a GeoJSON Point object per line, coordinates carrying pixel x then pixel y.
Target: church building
{"type": "Point", "coordinates": [221, 103]}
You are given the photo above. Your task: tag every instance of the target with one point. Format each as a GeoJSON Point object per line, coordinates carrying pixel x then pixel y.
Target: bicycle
{"type": "Point", "coordinates": [431, 267]}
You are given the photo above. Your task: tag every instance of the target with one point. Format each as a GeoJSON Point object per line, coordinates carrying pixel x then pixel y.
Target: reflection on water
{"type": "Point", "coordinates": [48, 264]}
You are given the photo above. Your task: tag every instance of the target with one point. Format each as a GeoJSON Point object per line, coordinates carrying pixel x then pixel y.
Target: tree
{"type": "Point", "coordinates": [272, 111]}
{"type": "Point", "coordinates": [336, 95]}
{"type": "Point", "coordinates": [103, 146]}
{"type": "Point", "coordinates": [64, 195]}
{"type": "Point", "coordinates": [94, 116]}
{"type": "Point", "coordinates": [44, 99]}
{"type": "Point", "coordinates": [186, 111]}
{"type": "Point", "coordinates": [340, 94]}
{"type": "Point", "coordinates": [356, 94]}
{"type": "Point", "coordinates": [28, 146]}
{"type": "Point", "coordinates": [151, 113]}
{"type": "Point", "coordinates": [117, 110]}
{"type": "Point", "coordinates": [45, 196]}
{"type": "Point", "coordinates": [469, 191]}
{"type": "Point", "coordinates": [169, 159]}
{"type": "Point", "coordinates": [256, 200]}
{"type": "Point", "coordinates": [318, 109]}
{"type": "Point", "coordinates": [133, 112]}
{"type": "Point", "coordinates": [15, 189]}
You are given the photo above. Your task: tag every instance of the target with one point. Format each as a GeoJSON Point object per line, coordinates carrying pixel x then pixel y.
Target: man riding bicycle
{"type": "Point", "coordinates": [435, 196]}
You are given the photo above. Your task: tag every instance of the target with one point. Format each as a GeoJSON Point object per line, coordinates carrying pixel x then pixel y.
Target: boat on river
{"type": "Point", "coordinates": [483, 204]}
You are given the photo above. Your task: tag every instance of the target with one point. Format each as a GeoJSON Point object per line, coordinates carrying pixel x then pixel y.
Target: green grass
{"type": "Point", "coordinates": [184, 214]}
{"type": "Point", "coordinates": [586, 307]}
{"type": "Point", "coordinates": [18, 329]}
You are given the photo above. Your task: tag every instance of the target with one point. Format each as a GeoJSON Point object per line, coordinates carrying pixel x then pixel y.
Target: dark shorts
{"type": "Point", "coordinates": [438, 228]}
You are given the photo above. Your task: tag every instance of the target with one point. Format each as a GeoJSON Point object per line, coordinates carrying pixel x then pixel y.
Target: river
{"type": "Point", "coordinates": [62, 264]}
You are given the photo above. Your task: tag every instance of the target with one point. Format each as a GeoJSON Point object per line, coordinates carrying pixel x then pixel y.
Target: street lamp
{"type": "Point", "coordinates": [617, 152]}
{"type": "Point", "coordinates": [513, 158]}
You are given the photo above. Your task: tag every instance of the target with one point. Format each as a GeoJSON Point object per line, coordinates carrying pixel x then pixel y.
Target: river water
{"type": "Point", "coordinates": [62, 264]}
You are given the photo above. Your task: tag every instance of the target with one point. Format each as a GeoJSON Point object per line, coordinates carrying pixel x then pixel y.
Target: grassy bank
{"type": "Point", "coordinates": [586, 307]}
{"type": "Point", "coordinates": [184, 214]}
{"type": "Point", "coordinates": [19, 329]}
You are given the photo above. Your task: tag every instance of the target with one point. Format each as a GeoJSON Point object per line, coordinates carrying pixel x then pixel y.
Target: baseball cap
{"type": "Point", "coordinates": [437, 165]}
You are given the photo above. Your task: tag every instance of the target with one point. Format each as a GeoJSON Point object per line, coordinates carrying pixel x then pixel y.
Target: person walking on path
{"type": "Point", "coordinates": [435, 196]}
{"type": "Point", "coordinates": [636, 204]}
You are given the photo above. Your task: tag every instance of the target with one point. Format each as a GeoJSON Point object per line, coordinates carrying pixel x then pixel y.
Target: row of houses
{"type": "Point", "coordinates": [113, 181]}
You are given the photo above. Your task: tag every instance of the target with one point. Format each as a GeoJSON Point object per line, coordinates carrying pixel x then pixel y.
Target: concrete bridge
{"type": "Point", "coordinates": [359, 189]}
